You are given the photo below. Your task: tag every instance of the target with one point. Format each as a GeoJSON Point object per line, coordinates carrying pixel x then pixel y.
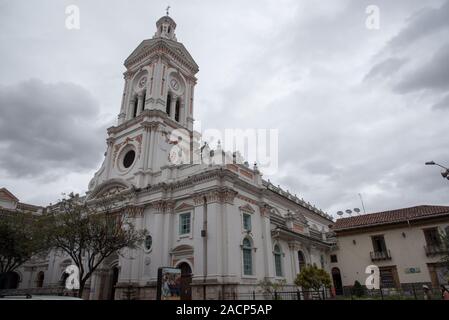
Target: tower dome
{"type": "Point", "coordinates": [165, 28]}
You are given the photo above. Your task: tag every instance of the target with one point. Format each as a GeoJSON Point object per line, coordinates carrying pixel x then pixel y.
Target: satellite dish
{"type": "Point", "coordinates": [340, 213]}
{"type": "Point", "coordinates": [348, 211]}
{"type": "Point", "coordinates": [357, 210]}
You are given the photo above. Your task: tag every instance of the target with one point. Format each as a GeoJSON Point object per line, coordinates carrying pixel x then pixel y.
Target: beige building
{"type": "Point", "coordinates": [404, 244]}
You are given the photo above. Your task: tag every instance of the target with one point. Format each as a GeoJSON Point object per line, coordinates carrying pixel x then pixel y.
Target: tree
{"type": "Point", "coordinates": [270, 288]}
{"type": "Point", "coordinates": [358, 290]}
{"type": "Point", "coordinates": [311, 277]}
{"type": "Point", "coordinates": [444, 235]}
{"type": "Point", "coordinates": [21, 238]}
{"type": "Point", "coordinates": [90, 232]}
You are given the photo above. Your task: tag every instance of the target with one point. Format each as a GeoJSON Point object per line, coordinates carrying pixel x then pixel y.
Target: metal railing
{"type": "Point", "coordinates": [436, 249]}
{"type": "Point", "coordinates": [412, 291]}
{"type": "Point", "coordinates": [323, 294]}
{"type": "Point", "coordinates": [380, 255]}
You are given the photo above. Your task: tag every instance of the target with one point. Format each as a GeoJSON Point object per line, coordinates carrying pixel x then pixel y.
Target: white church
{"type": "Point", "coordinates": [220, 222]}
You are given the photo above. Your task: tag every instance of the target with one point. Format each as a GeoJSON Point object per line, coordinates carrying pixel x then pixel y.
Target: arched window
{"type": "Point", "coordinates": [177, 109]}
{"type": "Point", "coordinates": [247, 249]}
{"type": "Point", "coordinates": [278, 260]}
{"type": "Point", "coordinates": [40, 279]}
{"type": "Point", "coordinates": [136, 103]}
{"type": "Point", "coordinates": [167, 107]}
{"type": "Point", "coordinates": [144, 97]}
{"type": "Point", "coordinates": [302, 260]}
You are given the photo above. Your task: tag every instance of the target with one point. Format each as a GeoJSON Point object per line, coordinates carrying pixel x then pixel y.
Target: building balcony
{"type": "Point", "coordinates": [435, 249]}
{"type": "Point", "coordinates": [380, 255]}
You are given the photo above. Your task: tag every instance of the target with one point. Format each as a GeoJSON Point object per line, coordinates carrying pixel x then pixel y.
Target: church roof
{"type": "Point", "coordinates": [6, 194]}
{"type": "Point", "coordinates": [390, 217]}
{"type": "Point", "coordinates": [159, 44]}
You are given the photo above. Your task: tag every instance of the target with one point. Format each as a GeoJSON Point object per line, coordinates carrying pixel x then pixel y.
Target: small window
{"type": "Point", "coordinates": [148, 242]}
{"type": "Point", "coordinates": [128, 160]}
{"type": "Point", "coordinates": [301, 260]}
{"type": "Point", "coordinates": [334, 258]}
{"type": "Point", "coordinates": [136, 104]}
{"type": "Point", "coordinates": [278, 260]}
{"type": "Point", "coordinates": [322, 261]}
{"type": "Point", "coordinates": [184, 223]}
{"type": "Point", "coordinates": [168, 105]}
{"type": "Point", "coordinates": [40, 279]}
{"type": "Point", "coordinates": [177, 110]}
{"type": "Point", "coordinates": [247, 257]}
{"type": "Point", "coordinates": [144, 96]}
{"type": "Point", "coordinates": [246, 222]}
{"type": "Point", "coordinates": [432, 237]}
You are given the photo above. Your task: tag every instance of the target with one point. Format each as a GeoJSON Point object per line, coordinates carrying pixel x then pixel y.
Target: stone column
{"type": "Point", "coordinates": [139, 103]}
{"type": "Point", "coordinates": [130, 112]}
{"type": "Point", "coordinates": [173, 107]}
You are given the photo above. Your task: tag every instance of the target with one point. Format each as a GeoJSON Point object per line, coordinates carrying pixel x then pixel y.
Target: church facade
{"type": "Point", "coordinates": [205, 211]}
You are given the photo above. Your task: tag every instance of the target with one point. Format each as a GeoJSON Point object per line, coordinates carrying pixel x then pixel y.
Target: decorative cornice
{"type": "Point", "coordinates": [217, 195]}
{"type": "Point", "coordinates": [159, 48]}
{"type": "Point", "coordinates": [163, 206]}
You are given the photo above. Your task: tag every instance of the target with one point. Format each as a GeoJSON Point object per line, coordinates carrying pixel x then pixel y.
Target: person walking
{"type": "Point", "coordinates": [427, 293]}
{"type": "Point", "coordinates": [444, 292]}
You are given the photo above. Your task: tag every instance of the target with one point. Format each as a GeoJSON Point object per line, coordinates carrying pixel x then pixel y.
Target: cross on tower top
{"type": "Point", "coordinates": [167, 10]}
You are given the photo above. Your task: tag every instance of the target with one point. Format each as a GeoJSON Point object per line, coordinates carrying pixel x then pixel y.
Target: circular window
{"type": "Point", "coordinates": [148, 242]}
{"type": "Point", "coordinates": [128, 159]}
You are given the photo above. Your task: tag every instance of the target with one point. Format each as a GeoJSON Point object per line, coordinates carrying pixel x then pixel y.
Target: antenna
{"type": "Point", "coordinates": [363, 205]}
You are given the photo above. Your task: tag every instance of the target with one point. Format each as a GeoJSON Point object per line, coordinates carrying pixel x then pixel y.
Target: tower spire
{"type": "Point", "coordinates": [166, 27]}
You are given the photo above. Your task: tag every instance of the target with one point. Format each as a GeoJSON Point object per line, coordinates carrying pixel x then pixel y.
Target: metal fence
{"type": "Point", "coordinates": [50, 290]}
{"type": "Point", "coordinates": [279, 295]}
{"type": "Point", "coordinates": [412, 292]}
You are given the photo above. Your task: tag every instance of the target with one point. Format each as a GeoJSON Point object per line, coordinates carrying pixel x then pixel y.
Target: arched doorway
{"type": "Point", "coordinates": [186, 280]}
{"type": "Point", "coordinates": [114, 279]}
{"type": "Point", "coordinates": [9, 280]}
{"type": "Point", "coordinates": [336, 278]}
{"type": "Point", "coordinates": [40, 279]}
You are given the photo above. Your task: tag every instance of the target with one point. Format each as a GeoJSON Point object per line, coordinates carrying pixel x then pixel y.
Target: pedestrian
{"type": "Point", "coordinates": [444, 292]}
{"type": "Point", "coordinates": [427, 293]}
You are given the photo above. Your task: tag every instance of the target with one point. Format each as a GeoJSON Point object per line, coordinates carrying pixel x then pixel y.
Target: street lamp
{"type": "Point", "coordinates": [444, 173]}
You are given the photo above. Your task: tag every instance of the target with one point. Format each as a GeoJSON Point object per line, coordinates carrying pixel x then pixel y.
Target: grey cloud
{"type": "Point", "coordinates": [434, 75]}
{"type": "Point", "coordinates": [47, 128]}
{"type": "Point", "coordinates": [421, 24]}
{"type": "Point", "coordinates": [443, 104]}
{"type": "Point", "coordinates": [386, 68]}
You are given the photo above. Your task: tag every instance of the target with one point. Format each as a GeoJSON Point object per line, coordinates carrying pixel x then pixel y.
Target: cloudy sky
{"type": "Point", "coordinates": [358, 110]}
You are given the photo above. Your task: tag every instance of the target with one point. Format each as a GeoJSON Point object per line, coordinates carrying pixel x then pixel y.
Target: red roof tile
{"type": "Point", "coordinates": [390, 217]}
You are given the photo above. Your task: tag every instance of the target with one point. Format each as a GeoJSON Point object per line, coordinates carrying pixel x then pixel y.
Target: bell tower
{"type": "Point", "coordinates": [157, 99]}
{"type": "Point", "coordinates": [160, 75]}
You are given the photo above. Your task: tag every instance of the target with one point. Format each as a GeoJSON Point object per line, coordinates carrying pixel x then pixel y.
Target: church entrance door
{"type": "Point", "coordinates": [186, 280]}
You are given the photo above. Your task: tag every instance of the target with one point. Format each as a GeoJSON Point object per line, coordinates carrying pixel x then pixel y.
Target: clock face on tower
{"type": "Point", "coordinates": [174, 84]}
{"type": "Point", "coordinates": [142, 82]}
